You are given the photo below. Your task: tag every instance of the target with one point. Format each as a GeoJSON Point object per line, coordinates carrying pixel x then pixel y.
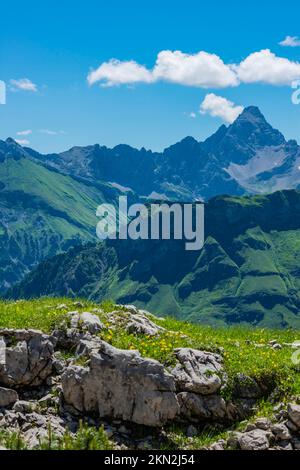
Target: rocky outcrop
{"type": "Point", "coordinates": [195, 408]}
{"type": "Point", "coordinates": [135, 321]}
{"type": "Point", "coordinates": [198, 371]}
{"type": "Point", "coordinates": [85, 321]}
{"type": "Point", "coordinates": [121, 384]}
{"type": "Point", "coordinates": [28, 358]}
{"type": "Point", "coordinates": [281, 432]}
{"type": "Point", "coordinates": [7, 397]}
{"type": "Point", "coordinates": [49, 383]}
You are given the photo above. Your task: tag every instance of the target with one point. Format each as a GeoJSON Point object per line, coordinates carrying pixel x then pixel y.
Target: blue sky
{"type": "Point", "coordinates": [56, 47]}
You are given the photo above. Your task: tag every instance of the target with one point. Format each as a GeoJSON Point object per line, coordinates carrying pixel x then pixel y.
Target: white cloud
{"type": "Point", "coordinates": [290, 41]}
{"type": "Point", "coordinates": [192, 115]}
{"type": "Point", "coordinates": [202, 70]}
{"type": "Point", "coordinates": [218, 106]}
{"type": "Point", "coordinates": [22, 141]}
{"type": "Point", "coordinates": [266, 67]}
{"type": "Point", "coordinates": [23, 84]}
{"type": "Point", "coordinates": [116, 72]}
{"type": "Point", "coordinates": [27, 132]}
{"type": "Point", "coordinates": [50, 132]}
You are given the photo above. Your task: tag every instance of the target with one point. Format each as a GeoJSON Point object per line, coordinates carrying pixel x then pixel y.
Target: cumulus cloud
{"type": "Point", "coordinates": [218, 106]}
{"type": "Point", "coordinates": [22, 141]}
{"type": "Point", "coordinates": [23, 84]}
{"type": "Point", "coordinates": [202, 70]}
{"type": "Point", "coordinates": [290, 41]}
{"type": "Point", "coordinates": [265, 67]}
{"type": "Point", "coordinates": [115, 72]}
{"type": "Point", "coordinates": [27, 132]}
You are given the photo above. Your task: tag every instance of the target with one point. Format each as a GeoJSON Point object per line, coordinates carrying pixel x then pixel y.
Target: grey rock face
{"type": "Point", "coordinates": [263, 423]}
{"type": "Point", "coordinates": [121, 385]}
{"type": "Point", "coordinates": [294, 414]}
{"type": "Point", "coordinates": [23, 406]}
{"type": "Point", "coordinates": [86, 321]}
{"type": "Point", "coordinates": [7, 397]}
{"type": "Point", "coordinates": [281, 431]}
{"type": "Point", "coordinates": [28, 358]}
{"type": "Point", "coordinates": [140, 324]}
{"type": "Point", "coordinates": [135, 321]}
{"type": "Point", "coordinates": [198, 371]}
{"type": "Point", "coordinates": [254, 440]}
{"type": "Point", "coordinates": [197, 408]}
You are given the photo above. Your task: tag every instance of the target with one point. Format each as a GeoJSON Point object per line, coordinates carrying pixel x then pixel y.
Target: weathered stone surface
{"type": "Point", "coordinates": [254, 440]}
{"type": "Point", "coordinates": [233, 440]}
{"type": "Point", "coordinates": [121, 385]}
{"type": "Point", "coordinates": [69, 338]}
{"type": "Point", "coordinates": [294, 414]}
{"type": "Point", "coordinates": [86, 321]}
{"type": "Point", "coordinates": [7, 397]}
{"type": "Point", "coordinates": [219, 445]}
{"type": "Point", "coordinates": [263, 423]}
{"type": "Point", "coordinates": [140, 324]}
{"type": "Point", "coordinates": [35, 436]}
{"type": "Point", "coordinates": [201, 408]}
{"type": "Point", "coordinates": [198, 371]}
{"type": "Point", "coordinates": [29, 357]}
{"type": "Point", "coordinates": [281, 431]}
{"type": "Point", "coordinates": [23, 406]}
{"type": "Point", "coordinates": [135, 321]}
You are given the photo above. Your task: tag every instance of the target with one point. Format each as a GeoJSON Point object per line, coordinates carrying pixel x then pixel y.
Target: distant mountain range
{"type": "Point", "coordinates": [248, 271]}
{"type": "Point", "coordinates": [249, 156]}
{"type": "Point", "coordinates": [42, 212]}
{"type": "Point", "coordinates": [48, 204]}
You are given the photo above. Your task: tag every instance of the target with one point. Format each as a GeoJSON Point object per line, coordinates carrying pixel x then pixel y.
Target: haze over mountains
{"type": "Point", "coordinates": [248, 273]}
{"type": "Point", "coordinates": [248, 156]}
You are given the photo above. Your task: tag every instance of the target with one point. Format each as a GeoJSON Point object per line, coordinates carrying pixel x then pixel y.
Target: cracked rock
{"type": "Point", "coordinates": [122, 385]}
{"type": "Point", "coordinates": [197, 371]}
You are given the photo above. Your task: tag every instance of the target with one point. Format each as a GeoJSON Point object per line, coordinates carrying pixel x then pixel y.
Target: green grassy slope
{"type": "Point", "coordinates": [247, 272]}
{"type": "Point", "coordinates": [42, 213]}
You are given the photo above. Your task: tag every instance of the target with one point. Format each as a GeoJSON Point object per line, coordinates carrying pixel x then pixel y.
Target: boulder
{"type": "Point", "coordinates": [135, 321]}
{"type": "Point", "coordinates": [23, 406]}
{"type": "Point", "coordinates": [28, 358]}
{"type": "Point", "coordinates": [86, 321]}
{"type": "Point", "coordinates": [119, 384]}
{"type": "Point", "coordinates": [263, 423]}
{"type": "Point", "coordinates": [294, 414]}
{"type": "Point", "coordinates": [140, 324]}
{"type": "Point", "coordinates": [281, 432]}
{"type": "Point", "coordinates": [198, 371]}
{"type": "Point", "coordinates": [254, 440]}
{"type": "Point", "coordinates": [201, 408]}
{"type": "Point", "coordinates": [7, 397]}
{"type": "Point", "coordinates": [219, 445]}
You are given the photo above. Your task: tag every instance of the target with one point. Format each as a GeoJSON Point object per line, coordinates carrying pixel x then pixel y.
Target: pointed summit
{"type": "Point", "coordinates": [240, 141]}
{"type": "Point", "coordinates": [252, 113]}
{"type": "Point", "coordinates": [252, 129]}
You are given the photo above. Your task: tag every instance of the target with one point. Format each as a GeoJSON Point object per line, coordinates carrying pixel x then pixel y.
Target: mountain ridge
{"type": "Point", "coordinates": [248, 156]}
{"type": "Point", "coordinates": [246, 273]}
